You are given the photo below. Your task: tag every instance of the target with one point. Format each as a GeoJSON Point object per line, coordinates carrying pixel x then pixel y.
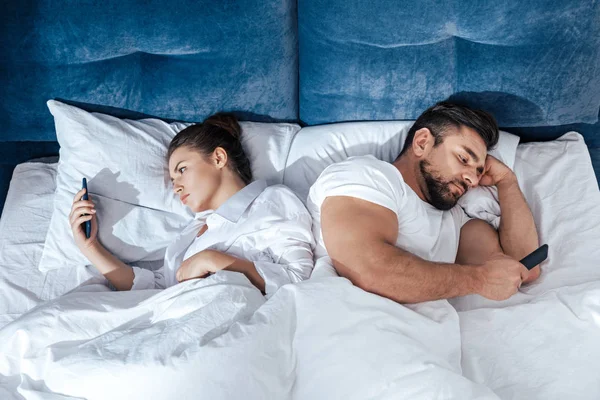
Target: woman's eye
{"type": "Point", "coordinates": [181, 170]}
{"type": "Point", "coordinates": [463, 160]}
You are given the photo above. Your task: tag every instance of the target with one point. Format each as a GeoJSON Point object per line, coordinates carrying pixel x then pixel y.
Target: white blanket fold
{"type": "Point", "coordinates": [217, 338]}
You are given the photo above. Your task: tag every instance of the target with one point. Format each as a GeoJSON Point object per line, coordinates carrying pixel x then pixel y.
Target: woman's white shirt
{"type": "Point", "coordinates": [267, 225]}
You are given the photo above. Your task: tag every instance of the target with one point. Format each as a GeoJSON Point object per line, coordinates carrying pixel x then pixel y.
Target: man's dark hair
{"type": "Point", "coordinates": [444, 115]}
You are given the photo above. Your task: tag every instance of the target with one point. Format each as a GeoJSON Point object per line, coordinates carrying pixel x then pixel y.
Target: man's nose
{"type": "Point", "coordinates": [472, 180]}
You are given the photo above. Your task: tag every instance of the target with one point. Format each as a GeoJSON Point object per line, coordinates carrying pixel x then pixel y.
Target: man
{"type": "Point", "coordinates": [394, 229]}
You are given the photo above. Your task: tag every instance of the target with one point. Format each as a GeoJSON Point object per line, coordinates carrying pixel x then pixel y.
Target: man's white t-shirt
{"type": "Point", "coordinates": [423, 230]}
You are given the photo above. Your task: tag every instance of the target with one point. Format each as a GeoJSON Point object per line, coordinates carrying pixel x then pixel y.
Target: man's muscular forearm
{"type": "Point", "coordinates": [403, 277]}
{"type": "Point", "coordinates": [518, 233]}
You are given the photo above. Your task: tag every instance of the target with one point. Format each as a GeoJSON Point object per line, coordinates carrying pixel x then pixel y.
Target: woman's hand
{"type": "Point", "coordinates": [76, 219]}
{"type": "Point", "coordinates": [207, 262]}
{"type": "Point", "coordinates": [202, 264]}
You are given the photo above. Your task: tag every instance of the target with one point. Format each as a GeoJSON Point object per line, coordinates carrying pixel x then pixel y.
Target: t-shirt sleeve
{"type": "Point", "coordinates": [460, 216]}
{"type": "Point", "coordinates": [364, 178]}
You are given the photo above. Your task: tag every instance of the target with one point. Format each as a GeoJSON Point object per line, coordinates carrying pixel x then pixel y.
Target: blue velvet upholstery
{"type": "Point", "coordinates": [531, 63]}
{"type": "Point", "coordinates": [176, 59]}
{"type": "Point", "coordinates": [534, 64]}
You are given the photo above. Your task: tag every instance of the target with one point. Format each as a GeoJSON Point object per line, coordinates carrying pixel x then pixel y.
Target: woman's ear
{"type": "Point", "coordinates": [422, 142]}
{"type": "Point", "coordinates": [219, 157]}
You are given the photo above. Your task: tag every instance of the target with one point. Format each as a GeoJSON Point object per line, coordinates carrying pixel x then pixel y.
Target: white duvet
{"type": "Point", "coordinates": [547, 348]}
{"type": "Point", "coordinates": [324, 338]}
{"type": "Point", "coordinates": [217, 338]}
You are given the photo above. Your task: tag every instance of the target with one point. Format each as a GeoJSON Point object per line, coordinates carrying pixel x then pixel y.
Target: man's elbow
{"type": "Point", "coordinates": [366, 282]}
{"type": "Point", "coordinates": [356, 272]}
{"type": "Point", "coordinates": [366, 277]}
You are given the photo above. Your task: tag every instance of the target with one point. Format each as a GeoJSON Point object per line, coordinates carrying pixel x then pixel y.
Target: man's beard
{"type": "Point", "coordinates": [438, 190]}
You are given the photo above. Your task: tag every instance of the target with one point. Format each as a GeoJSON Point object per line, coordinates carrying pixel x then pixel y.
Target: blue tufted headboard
{"type": "Point", "coordinates": [181, 59]}
{"type": "Point", "coordinates": [534, 64]}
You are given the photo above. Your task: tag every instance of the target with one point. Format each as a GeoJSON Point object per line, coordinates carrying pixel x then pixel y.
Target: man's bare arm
{"type": "Point", "coordinates": [360, 238]}
{"type": "Point", "coordinates": [518, 233]}
{"type": "Point", "coordinates": [479, 241]}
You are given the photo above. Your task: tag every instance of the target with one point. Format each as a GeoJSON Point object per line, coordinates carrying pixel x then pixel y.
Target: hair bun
{"type": "Point", "coordinates": [226, 121]}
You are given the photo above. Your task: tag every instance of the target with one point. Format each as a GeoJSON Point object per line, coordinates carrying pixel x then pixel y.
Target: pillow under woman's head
{"type": "Point", "coordinates": [125, 163]}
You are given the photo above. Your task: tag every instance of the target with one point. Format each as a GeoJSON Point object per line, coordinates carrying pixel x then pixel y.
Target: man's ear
{"type": "Point", "coordinates": [422, 142]}
{"type": "Point", "coordinates": [219, 157]}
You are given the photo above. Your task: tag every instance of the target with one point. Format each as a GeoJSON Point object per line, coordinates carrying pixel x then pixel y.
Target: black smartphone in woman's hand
{"type": "Point", "coordinates": [87, 224]}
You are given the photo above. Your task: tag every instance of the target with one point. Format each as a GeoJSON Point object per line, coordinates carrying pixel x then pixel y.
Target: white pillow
{"type": "Point", "coordinates": [558, 181]}
{"type": "Point", "coordinates": [124, 162]}
{"type": "Point", "coordinates": [316, 147]}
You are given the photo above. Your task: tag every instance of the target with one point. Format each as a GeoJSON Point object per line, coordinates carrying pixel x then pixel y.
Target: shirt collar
{"type": "Point", "coordinates": [234, 207]}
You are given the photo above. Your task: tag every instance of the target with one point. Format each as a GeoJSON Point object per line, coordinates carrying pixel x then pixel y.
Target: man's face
{"type": "Point", "coordinates": [451, 168]}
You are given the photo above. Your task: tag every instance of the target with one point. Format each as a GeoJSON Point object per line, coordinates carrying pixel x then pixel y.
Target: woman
{"type": "Point", "coordinates": [242, 226]}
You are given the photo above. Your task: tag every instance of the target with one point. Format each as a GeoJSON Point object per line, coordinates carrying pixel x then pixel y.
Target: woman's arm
{"type": "Point", "coordinates": [247, 268]}
{"type": "Point", "coordinates": [208, 262]}
{"type": "Point", "coordinates": [288, 257]}
{"type": "Point", "coordinates": [118, 273]}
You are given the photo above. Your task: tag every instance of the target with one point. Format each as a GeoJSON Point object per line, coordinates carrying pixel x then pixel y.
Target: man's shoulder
{"type": "Point", "coordinates": [357, 167]}
{"type": "Point", "coordinates": [363, 177]}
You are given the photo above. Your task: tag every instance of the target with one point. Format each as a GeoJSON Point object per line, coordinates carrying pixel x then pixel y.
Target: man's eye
{"type": "Point", "coordinates": [463, 160]}
{"type": "Point", "coordinates": [181, 170]}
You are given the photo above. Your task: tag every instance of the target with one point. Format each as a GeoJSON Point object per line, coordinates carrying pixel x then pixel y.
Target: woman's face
{"type": "Point", "coordinates": [196, 178]}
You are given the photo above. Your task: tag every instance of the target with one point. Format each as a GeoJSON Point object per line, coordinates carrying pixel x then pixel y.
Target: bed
{"type": "Point", "coordinates": [299, 73]}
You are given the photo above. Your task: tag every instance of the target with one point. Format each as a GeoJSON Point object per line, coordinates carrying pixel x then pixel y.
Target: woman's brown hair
{"type": "Point", "coordinates": [218, 130]}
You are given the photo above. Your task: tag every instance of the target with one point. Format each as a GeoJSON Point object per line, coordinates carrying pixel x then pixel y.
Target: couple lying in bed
{"type": "Point", "coordinates": [393, 229]}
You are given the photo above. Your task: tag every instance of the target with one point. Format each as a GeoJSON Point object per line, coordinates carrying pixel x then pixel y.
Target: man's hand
{"type": "Point", "coordinates": [501, 277]}
{"type": "Point", "coordinates": [495, 171]}
{"type": "Point", "coordinates": [202, 264]}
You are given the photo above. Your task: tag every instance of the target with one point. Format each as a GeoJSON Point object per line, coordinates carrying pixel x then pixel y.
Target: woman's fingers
{"type": "Point", "coordinates": [79, 195]}
{"type": "Point", "coordinates": [180, 273]}
{"type": "Point", "coordinates": [190, 270]}
{"type": "Point", "coordinates": [83, 203]}
{"type": "Point", "coordinates": [77, 212]}
{"type": "Point", "coordinates": [80, 221]}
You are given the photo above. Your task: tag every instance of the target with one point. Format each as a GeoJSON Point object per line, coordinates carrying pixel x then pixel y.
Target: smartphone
{"type": "Point", "coordinates": [87, 224]}
{"type": "Point", "coordinates": [536, 257]}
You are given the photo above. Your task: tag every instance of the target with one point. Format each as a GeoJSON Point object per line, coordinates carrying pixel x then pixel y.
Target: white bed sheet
{"type": "Point", "coordinates": [548, 348]}
{"type": "Point", "coordinates": [23, 227]}
{"type": "Point", "coordinates": [544, 343]}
